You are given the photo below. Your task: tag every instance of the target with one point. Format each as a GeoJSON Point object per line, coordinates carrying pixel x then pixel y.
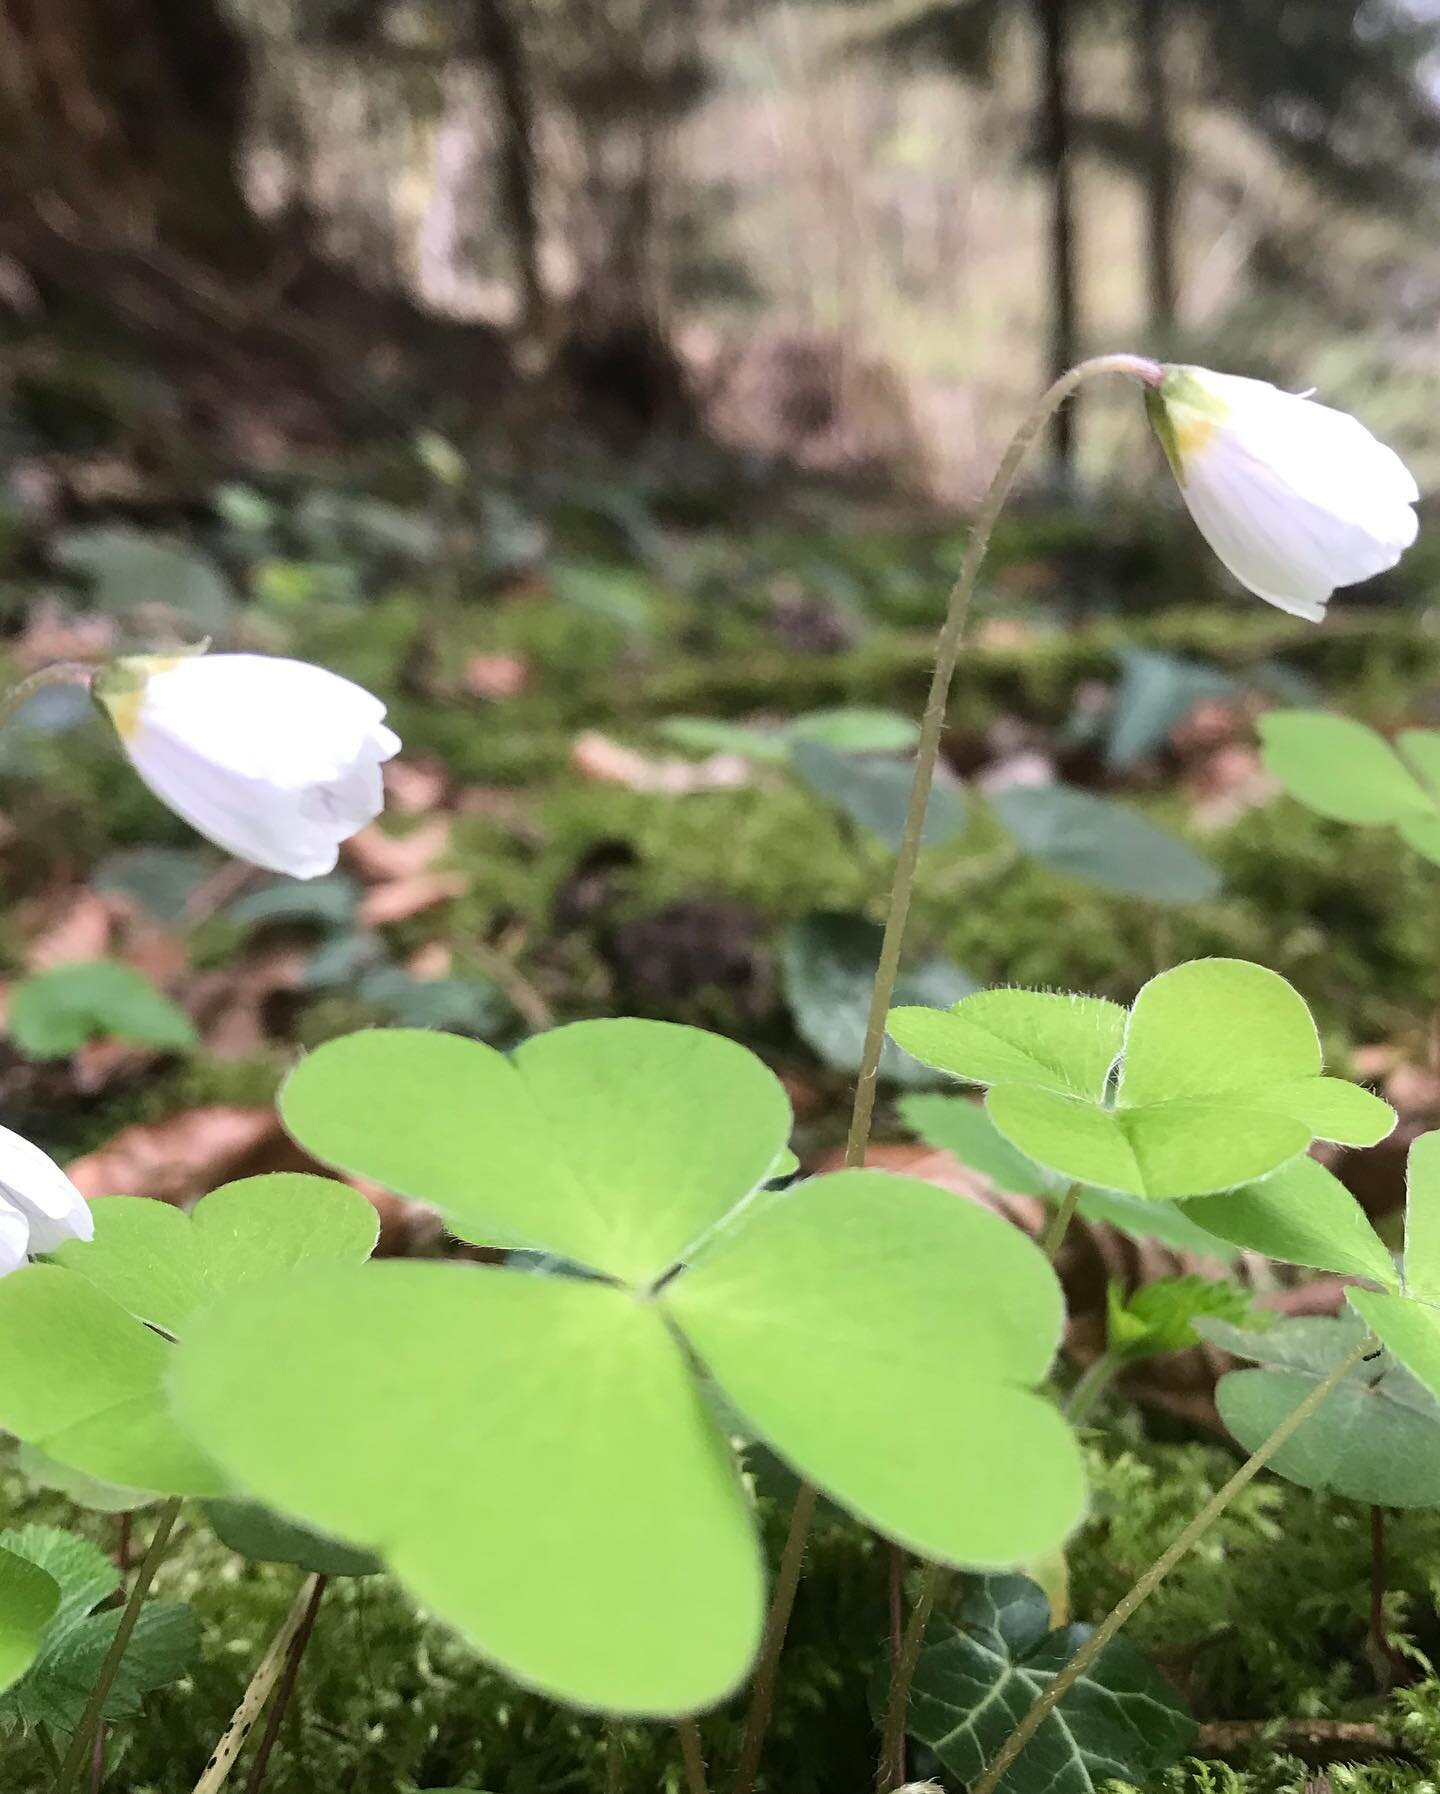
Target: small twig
{"type": "Point", "coordinates": [693, 1757]}
{"type": "Point", "coordinates": [287, 1685]}
{"type": "Point", "coordinates": [892, 1744]}
{"type": "Point", "coordinates": [1332, 1736]}
{"type": "Point", "coordinates": [1390, 1665]}
{"type": "Point", "coordinates": [524, 997]}
{"type": "Point", "coordinates": [614, 1758]}
{"type": "Point", "coordinates": [267, 1674]}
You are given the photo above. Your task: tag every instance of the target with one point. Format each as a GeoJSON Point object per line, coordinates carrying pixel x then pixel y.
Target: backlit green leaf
{"type": "Point", "coordinates": [1302, 1215]}
{"type": "Point", "coordinates": [546, 1148]}
{"type": "Point", "coordinates": [863, 1306]}
{"type": "Point", "coordinates": [1422, 1219]}
{"type": "Point", "coordinates": [84, 1380]}
{"type": "Point", "coordinates": [473, 1424]}
{"type": "Point", "coordinates": [29, 1597]}
{"type": "Point", "coordinates": [163, 1264]}
{"type": "Point", "coordinates": [1018, 1036]}
{"type": "Point", "coordinates": [54, 1013]}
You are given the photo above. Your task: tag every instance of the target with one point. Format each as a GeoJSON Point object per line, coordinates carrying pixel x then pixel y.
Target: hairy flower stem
{"type": "Point", "coordinates": [1046, 1704]}
{"type": "Point", "coordinates": [64, 672]}
{"type": "Point", "coordinates": [762, 1687]}
{"type": "Point", "coordinates": [902, 1673]}
{"type": "Point", "coordinates": [927, 752]}
{"type": "Point", "coordinates": [932, 723]}
{"type": "Point", "coordinates": [82, 1741]}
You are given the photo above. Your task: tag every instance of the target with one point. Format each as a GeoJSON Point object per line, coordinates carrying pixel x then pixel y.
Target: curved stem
{"type": "Point", "coordinates": [64, 672]}
{"type": "Point", "coordinates": [892, 1745]}
{"type": "Point", "coordinates": [78, 1754]}
{"type": "Point", "coordinates": [1042, 1708]}
{"type": "Point", "coordinates": [1092, 1385]}
{"type": "Point", "coordinates": [693, 1756]}
{"type": "Point", "coordinates": [927, 752]}
{"type": "Point", "coordinates": [932, 723]}
{"type": "Point", "coordinates": [762, 1688]}
{"type": "Point", "coordinates": [1060, 1223]}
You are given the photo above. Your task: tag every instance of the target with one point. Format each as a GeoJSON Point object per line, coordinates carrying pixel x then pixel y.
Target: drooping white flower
{"type": "Point", "coordinates": [39, 1206]}
{"type": "Point", "coordinates": [1294, 497]}
{"type": "Point", "coordinates": [274, 760]}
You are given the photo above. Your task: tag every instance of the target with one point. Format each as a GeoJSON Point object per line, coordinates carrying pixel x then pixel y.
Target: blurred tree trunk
{"type": "Point", "coordinates": [122, 118]}
{"type": "Point", "coordinates": [1055, 153]}
{"type": "Point", "coordinates": [1161, 184]}
{"type": "Point", "coordinates": [502, 45]}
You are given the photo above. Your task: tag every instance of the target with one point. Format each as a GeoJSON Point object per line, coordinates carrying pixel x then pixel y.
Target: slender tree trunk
{"type": "Point", "coordinates": [502, 44]}
{"type": "Point", "coordinates": [126, 115]}
{"type": "Point", "coordinates": [1161, 175]}
{"type": "Point", "coordinates": [1054, 19]}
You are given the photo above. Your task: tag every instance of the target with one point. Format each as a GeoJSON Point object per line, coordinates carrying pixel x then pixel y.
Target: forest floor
{"type": "Point", "coordinates": [597, 811]}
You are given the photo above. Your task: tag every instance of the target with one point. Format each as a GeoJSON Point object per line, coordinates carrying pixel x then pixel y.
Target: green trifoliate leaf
{"type": "Point", "coordinates": [863, 1306]}
{"type": "Point", "coordinates": [73, 1644]}
{"type": "Point", "coordinates": [1220, 1079]}
{"type": "Point", "coordinates": [612, 1143]}
{"type": "Point", "coordinates": [84, 1380]}
{"type": "Point", "coordinates": [827, 965]}
{"type": "Point", "coordinates": [1302, 1215]}
{"type": "Point", "coordinates": [530, 1454]}
{"type": "Point", "coordinates": [29, 1598]}
{"type": "Point", "coordinates": [960, 1126]}
{"type": "Point", "coordinates": [1376, 1438]}
{"type": "Point", "coordinates": [975, 1681]}
{"type": "Point", "coordinates": [1104, 843]}
{"type": "Point", "coordinates": [1160, 1317]}
{"type": "Point", "coordinates": [56, 1012]}
{"type": "Point", "coordinates": [1018, 1036]}
{"type": "Point", "coordinates": [163, 1264]}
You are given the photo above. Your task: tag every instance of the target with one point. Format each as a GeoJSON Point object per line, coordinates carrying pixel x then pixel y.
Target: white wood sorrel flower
{"type": "Point", "coordinates": [1294, 497]}
{"type": "Point", "coordinates": [39, 1206]}
{"type": "Point", "coordinates": [274, 760]}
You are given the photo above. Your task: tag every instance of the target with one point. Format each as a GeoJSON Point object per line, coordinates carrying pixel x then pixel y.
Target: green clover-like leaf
{"type": "Point", "coordinates": [468, 1424]}
{"type": "Point", "coordinates": [530, 1454]}
{"type": "Point", "coordinates": [163, 1264]}
{"type": "Point", "coordinates": [612, 1143]}
{"type": "Point", "coordinates": [875, 1331]}
{"type": "Point", "coordinates": [84, 1380]}
{"type": "Point", "coordinates": [1303, 1215]}
{"type": "Point", "coordinates": [1220, 1079]}
{"type": "Point", "coordinates": [975, 1681]}
{"type": "Point", "coordinates": [82, 1365]}
{"type": "Point", "coordinates": [1376, 1438]}
{"type": "Point", "coordinates": [960, 1126]}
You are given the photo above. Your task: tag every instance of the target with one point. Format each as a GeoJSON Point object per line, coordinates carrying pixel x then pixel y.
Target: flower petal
{"type": "Point", "coordinates": [34, 1187]}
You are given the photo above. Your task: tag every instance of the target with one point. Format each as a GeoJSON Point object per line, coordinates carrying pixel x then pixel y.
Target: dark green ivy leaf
{"type": "Point", "coordinates": [977, 1679]}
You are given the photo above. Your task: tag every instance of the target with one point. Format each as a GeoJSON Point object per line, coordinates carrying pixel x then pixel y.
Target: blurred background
{"type": "Point", "coordinates": [853, 235]}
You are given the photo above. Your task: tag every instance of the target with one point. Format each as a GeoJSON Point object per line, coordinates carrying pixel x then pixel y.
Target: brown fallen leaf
{"type": "Point", "coordinates": [377, 856]}
{"type": "Point", "coordinates": [69, 929]}
{"type": "Point", "coordinates": [180, 1158]}
{"type": "Point", "coordinates": [434, 960]}
{"type": "Point", "coordinates": [595, 756]}
{"type": "Point", "coordinates": [412, 786]}
{"type": "Point", "coordinates": [405, 897]}
{"type": "Point", "coordinates": [497, 676]}
{"type": "Point", "coordinates": [228, 1004]}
